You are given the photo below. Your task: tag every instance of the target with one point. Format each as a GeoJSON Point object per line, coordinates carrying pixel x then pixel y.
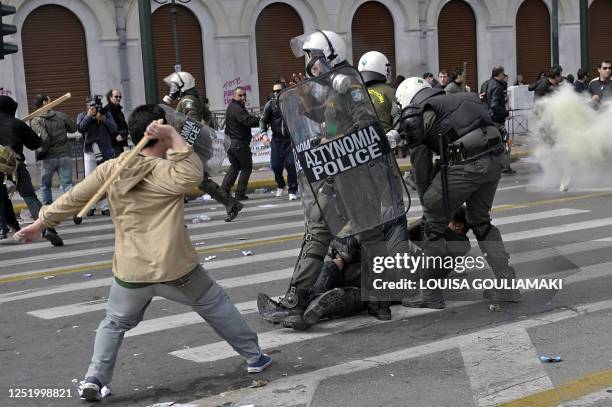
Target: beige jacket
{"type": "Point", "coordinates": [146, 204]}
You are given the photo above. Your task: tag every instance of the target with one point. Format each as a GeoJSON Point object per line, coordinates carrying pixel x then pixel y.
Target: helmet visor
{"type": "Point", "coordinates": [169, 79]}
{"type": "Point", "coordinates": [297, 45]}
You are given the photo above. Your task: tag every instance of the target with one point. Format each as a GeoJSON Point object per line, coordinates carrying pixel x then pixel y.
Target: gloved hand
{"type": "Point", "coordinates": [393, 137]}
{"type": "Point", "coordinates": [347, 249]}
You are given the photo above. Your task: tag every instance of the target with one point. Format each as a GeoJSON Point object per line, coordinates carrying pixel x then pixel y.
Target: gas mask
{"type": "Point", "coordinates": [175, 82]}
{"type": "Point", "coordinates": [174, 93]}
{"type": "Point", "coordinates": [318, 65]}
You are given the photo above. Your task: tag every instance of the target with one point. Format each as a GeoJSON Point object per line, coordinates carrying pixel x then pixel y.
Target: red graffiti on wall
{"type": "Point", "coordinates": [228, 90]}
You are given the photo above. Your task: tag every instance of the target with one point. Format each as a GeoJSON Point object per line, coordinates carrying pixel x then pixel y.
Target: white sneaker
{"type": "Point", "coordinates": [279, 192]}
{"type": "Point", "coordinates": [293, 197]}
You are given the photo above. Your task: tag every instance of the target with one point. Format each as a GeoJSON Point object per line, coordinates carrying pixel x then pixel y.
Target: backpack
{"type": "Point", "coordinates": [9, 160]}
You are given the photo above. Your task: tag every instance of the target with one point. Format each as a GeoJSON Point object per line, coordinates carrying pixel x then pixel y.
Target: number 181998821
{"type": "Point", "coordinates": [39, 393]}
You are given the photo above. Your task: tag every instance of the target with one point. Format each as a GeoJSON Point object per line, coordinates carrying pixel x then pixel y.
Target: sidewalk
{"type": "Point", "coordinates": [263, 177]}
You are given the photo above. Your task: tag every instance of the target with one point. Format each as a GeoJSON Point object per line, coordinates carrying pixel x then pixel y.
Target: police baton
{"type": "Point", "coordinates": [443, 175]}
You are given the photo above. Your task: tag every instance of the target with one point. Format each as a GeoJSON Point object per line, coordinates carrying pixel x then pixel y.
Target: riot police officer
{"type": "Point", "coordinates": [182, 87]}
{"type": "Point", "coordinates": [345, 108]}
{"type": "Point", "coordinates": [375, 70]}
{"type": "Point", "coordinates": [458, 127]}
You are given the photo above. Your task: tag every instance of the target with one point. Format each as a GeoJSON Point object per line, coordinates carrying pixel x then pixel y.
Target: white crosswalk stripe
{"type": "Point", "coordinates": [299, 224]}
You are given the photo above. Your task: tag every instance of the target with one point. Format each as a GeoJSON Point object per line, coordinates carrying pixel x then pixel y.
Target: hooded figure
{"type": "Point", "coordinates": [15, 134]}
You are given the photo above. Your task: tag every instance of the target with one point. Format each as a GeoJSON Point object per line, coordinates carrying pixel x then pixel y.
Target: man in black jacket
{"type": "Point", "coordinates": [119, 140]}
{"type": "Point", "coordinates": [238, 124]}
{"type": "Point", "coordinates": [281, 156]}
{"type": "Point", "coordinates": [582, 80]}
{"type": "Point", "coordinates": [495, 90]}
{"type": "Point", "coordinates": [546, 85]}
{"type": "Point", "coordinates": [15, 134]}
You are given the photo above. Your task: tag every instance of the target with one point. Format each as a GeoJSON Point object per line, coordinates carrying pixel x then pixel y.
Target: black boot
{"type": "Point", "coordinates": [270, 310]}
{"type": "Point", "coordinates": [235, 207]}
{"type": "Point", "coordinates": [296, 300]}
{"type": "Point", "coordinates": [338, 302]}
{"type": "Point", "coordinates": [380, 310]}
{"type": "Point", "coordinates": [51, 235]}
{"type": "Point", "coordinates": [277, 311]}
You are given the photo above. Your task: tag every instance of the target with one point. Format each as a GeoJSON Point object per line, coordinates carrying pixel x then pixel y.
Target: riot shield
{"type": "Point", "coordinates": [203, 139]}
{"type": "Point", "coordinates": [344, 162]}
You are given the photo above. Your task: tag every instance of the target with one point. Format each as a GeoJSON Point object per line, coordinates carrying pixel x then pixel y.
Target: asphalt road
{"type": "Point", "coordinates": [465, 355]}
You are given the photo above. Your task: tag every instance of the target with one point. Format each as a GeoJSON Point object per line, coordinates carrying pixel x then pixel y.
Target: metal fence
{"type": "Point", "coordinates": [76, 150]}
{"type": "Point", "coordinates": [517, 122]}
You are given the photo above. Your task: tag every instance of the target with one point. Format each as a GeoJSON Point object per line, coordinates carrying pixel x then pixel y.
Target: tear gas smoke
{"type": "Point", "coordinates": [572, 141]}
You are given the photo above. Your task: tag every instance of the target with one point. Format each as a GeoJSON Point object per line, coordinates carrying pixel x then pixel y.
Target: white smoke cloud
{"type": "Point", "coordinates": [572, 141]}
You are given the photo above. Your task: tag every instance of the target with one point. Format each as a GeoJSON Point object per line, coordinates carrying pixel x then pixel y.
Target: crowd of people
{"type": "Point", "coordinates": [105, 134]}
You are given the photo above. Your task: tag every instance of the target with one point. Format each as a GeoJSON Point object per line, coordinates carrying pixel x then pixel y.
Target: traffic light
{"type": "Point", "coordinates": [7, 29]}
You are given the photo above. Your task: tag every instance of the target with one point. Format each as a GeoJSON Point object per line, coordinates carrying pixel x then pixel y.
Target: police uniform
{"type": "Point", "coordinates": [473, 174]}
{"type": "Point", "coordinates": [192, 107]}
{"type": "Point", "coordinates": [340, 114]}
{"type": "Point", "coordinates": [382, 96]}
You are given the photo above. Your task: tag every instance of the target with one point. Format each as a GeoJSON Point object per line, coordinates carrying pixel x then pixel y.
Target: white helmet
{"type": "Point", "coordinates": [374, 65]}
{"type": "Point", "coordinates": [179, 83]}
{"type": "Point", "coordinates": [320, 43]}
{"type": "Point", "coordinates": [408, 89]}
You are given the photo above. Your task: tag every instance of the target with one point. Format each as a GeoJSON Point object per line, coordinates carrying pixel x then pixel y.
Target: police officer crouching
{"type": "Point", "coordinates": [458, 127]}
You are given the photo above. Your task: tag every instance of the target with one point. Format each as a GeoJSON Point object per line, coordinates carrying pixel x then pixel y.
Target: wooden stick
{"type": "Point", "coordinates": [128, 160]}
{"type": "Point", "coordinates": [48, 106]}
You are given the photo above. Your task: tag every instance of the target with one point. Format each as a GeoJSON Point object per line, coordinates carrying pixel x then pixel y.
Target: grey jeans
{"type": "Point", "coordinates": [126, 308]}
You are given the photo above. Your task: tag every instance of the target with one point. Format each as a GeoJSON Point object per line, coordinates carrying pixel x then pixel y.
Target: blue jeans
{"type": "Point", "coordinates": [49, 166]}
{"type": "Point", "coordinates": [126, 308]}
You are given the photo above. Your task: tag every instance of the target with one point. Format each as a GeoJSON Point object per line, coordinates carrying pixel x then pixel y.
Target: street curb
{"type": "Point", "coordinates": [269, 183]}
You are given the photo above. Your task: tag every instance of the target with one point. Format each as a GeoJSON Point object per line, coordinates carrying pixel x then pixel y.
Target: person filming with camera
{"type": "Point", "coordinates": [97, 127]}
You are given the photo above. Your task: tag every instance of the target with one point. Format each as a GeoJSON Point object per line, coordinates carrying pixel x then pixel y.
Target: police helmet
{"type": "Point", "coordinates": [374, 65]}
{"type": "Point", "coordinates": [408, 89]}
{"type": "Point", "coordinates": [179, 83]}
{"type": "Point", "coordinates": [183, 81]}
{"type": "Point", "coordinates": [316, 45]}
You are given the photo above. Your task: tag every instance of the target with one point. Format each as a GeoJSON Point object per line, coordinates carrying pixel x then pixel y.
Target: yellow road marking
{"type": "Point", "coordinates": [109, 264]}
{"type": "Point", "coordinates": [288, 238]}
{"type": "Point", "coordinates": [571, 390]}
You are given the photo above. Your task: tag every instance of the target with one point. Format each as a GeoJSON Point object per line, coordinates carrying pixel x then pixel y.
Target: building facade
{"type": "Point", "coordinates": [89, 46]}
